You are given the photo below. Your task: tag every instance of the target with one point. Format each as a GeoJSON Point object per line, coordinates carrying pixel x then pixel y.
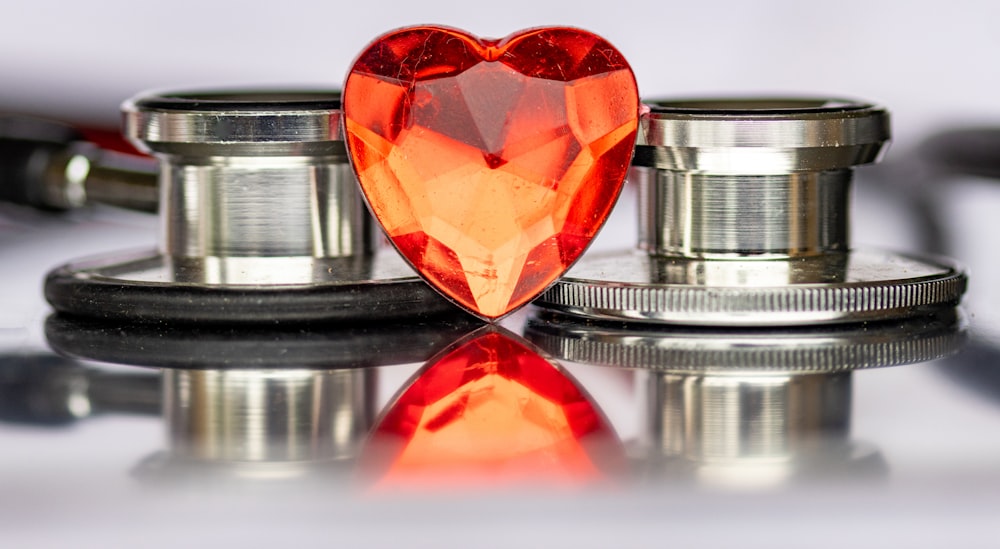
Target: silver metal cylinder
{"type": "Point", "coordinates": [252, 176]}
{"type": "Point", "coordinates": [712, 418]}
{"type": "Point", "coordinates": [268, 415]}
{"type": "Point", "coordinates": [703, 215]}
{"type": "Point", "coordinates": [263, 207]}
{"type": "Point", "coordinates": [751, 177]}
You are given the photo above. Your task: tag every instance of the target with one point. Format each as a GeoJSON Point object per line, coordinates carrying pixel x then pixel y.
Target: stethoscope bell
{"type": "Point", "coordinates": [261, 217]}
{"type": "Point", "coordinates": [743, 221]}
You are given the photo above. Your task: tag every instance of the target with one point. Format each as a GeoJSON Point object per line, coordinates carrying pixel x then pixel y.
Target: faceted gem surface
{"type": "Point", "coordinates": [491, 164]}
{"type": "Point", "coordinates": [491, 412]}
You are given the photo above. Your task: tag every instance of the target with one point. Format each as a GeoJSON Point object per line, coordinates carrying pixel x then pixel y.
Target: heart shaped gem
{"type": "Point", "coordinates": [491, 164]}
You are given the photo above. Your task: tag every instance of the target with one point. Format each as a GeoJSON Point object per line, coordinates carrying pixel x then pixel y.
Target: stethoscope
{"type": "Point", "coordinates": [262, 220]}
{"type": "Point", "coordinates": [263, 223]}
{"type": "Point", "coordinates": [742, 219]}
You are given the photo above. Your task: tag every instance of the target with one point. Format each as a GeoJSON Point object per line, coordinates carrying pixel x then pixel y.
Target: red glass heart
{"type": "Point", "coordinates": [491, 164]}
{"type": "Point", "coordinates": [491, 412]}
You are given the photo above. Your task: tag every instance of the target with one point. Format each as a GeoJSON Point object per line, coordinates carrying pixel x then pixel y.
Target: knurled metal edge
{"type": "Point", "coordinates": [821, 356]}
{"type": "Point", "coordinates": [832, 303]}
{"type": "Point", "coordinates": [871, 355]}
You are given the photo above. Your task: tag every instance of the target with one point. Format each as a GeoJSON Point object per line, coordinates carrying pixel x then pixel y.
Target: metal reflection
{"type": "Point", "coordinates": [749, 409]}
{"type": "Point", "coordinates": [730, 408]}
{"type": "Point", "coordinates": [752, 431]}
{"type": "Point", "coordinates": [238, 404]}
{"type": "Point", "coordinates": [262, 424]}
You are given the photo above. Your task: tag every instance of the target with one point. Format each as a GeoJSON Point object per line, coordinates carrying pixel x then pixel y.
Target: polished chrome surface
{"type": "Point", "coordinates": [149, 266]}
{"type": "Point", "coordinates": [121, 180]}
{"type": "Point", "coordinates": [772, 409]}
{"type": "Point", "coordinates": [744, 221]}
{"type": "Point", "coordinates": [720, 418]}
{"type": "Point", "coordinates": [752, 177]}
{"type": "Point", "coordinates": [260, 403]}
{"type": "Point", "coordinates": [264, 207]}
{"type": "Point", "coordinates": [761, 136]}
{"type": "Point", "coordinates": [703, 215]}
{"type": "Point", "coordinates": [252, 174]}
{"type": "Point", "coordinates": [752, 432]}
{"type": "Point", "coordinates": [698, 441]}
{"type": "Point", "coordinates": [64, 175]}
{"type": "Point", "coordinates": [243, 123]}
{"type": "Point", "coordinates": [267, 416]}
{"type": "Point", "coordinates": [83, 174]}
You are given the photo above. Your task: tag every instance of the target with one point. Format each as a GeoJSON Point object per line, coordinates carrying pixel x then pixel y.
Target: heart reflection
{"type": "Point", "coordinates": [489, 411]}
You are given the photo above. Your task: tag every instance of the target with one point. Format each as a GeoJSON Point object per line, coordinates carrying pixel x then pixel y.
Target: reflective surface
{"type": "Point", "coordinates": [554, 432]}
{"type": "Point", "coordinates": [698, 215]}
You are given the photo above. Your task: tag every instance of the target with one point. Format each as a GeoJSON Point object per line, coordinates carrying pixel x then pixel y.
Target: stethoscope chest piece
{"type": "Point", "coordinates": [261, 220]}
{"type": "Point", "coordinates": [743, 221]}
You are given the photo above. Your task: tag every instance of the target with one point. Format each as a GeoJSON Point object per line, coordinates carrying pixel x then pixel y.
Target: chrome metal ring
{"type": "Point", "coordinates": [276, 122]}
{"type": "Point", "coordinates": [761, 136]}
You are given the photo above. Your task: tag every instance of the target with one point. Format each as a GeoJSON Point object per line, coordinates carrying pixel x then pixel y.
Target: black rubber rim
{"type": "Point", "coordinates": [240, 347]}
{"type": "Point", "coordinates": [755, 106]}
{"type": "Point", "coordinates": [239, 100]}
{"type": "Point", "coordinates": [73, 293]}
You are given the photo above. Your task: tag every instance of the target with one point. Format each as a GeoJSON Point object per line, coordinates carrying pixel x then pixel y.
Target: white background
{"type": "Point", "coordinates": [931, 62]}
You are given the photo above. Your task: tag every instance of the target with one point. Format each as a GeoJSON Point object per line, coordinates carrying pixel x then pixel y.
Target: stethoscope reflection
{"type": "Point", "coordinates": [749, 409]}
{"type": "Point", "coordinates": [281, 424]}
{"type": "Point", "coordinates": [752, 431]}
{"type": "Point", "coordinates": [484, 411]}
{"type": "Point", "coordinates": [489, 410]}
{"type": "Point", "coordinates": [289, 405]}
